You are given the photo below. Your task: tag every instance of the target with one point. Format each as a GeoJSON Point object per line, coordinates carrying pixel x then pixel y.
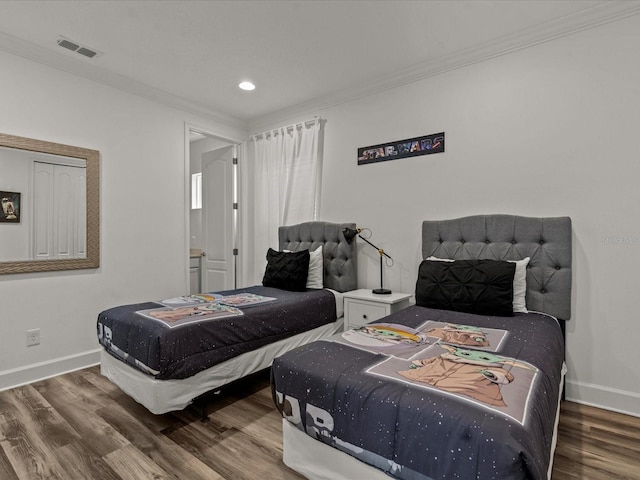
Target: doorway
{"type": "Point", "coordinates": [213, 221]}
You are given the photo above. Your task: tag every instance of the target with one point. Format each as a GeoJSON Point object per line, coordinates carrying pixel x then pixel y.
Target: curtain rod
{"type": "Point", "coordinates": [275, 131]}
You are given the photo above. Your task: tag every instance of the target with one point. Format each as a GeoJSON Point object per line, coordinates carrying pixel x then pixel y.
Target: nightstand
{"type": "Point", "coordinates": [362, 306]}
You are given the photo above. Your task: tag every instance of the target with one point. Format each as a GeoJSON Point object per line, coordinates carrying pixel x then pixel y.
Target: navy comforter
{"type": "Point", "coordinates": [172, 353]}
{"type": "Point", "coordinates": [431, 394]}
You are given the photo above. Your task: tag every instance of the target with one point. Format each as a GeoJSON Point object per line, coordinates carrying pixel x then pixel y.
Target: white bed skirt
{"type": "Point", "coordinates": [317, 461]}
{"type": "Point", "coordinates": [162, 396]}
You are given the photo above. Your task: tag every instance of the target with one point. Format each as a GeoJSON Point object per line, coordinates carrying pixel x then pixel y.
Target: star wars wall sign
{"type": "Point", "coordinates": [412, 147]}
{"type": "Point", "coordinates": [10, 207]}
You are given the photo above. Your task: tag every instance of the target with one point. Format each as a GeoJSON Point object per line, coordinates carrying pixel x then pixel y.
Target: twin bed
{"type": "Point", "coordinates": [164, 361]}
{"type": "Point", "coordinates": [464, 384]}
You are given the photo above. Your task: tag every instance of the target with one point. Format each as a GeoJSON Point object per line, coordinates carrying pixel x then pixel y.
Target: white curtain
{"type": "Point", "coordinates": [286, 184]}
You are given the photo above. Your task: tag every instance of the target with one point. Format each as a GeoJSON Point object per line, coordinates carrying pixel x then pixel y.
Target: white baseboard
{"type": "Point", "coordinates": [620, 401]}
{"type": "Point", "coordinates": [39, 371]}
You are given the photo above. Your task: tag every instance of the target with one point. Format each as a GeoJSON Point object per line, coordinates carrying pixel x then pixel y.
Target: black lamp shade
{"type": "Point", "coordinates": [349, 234]}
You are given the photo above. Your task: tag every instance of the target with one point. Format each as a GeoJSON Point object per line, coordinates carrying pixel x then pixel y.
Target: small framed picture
{"type": "Point", "coordinates": [10, 202]}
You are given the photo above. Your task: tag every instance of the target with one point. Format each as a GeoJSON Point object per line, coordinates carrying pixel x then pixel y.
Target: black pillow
{"type": "Point", "coordinates": [287, 270]}
{"type": "Point", "coordinates": [473, 286]}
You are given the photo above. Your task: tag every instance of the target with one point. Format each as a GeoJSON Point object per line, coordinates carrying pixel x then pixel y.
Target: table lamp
{"type": "Point", "coordinates": [349, 235]}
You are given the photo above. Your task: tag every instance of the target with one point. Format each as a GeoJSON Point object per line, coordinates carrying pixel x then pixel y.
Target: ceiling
{"type": "Point", "coordinates": [302, 55]}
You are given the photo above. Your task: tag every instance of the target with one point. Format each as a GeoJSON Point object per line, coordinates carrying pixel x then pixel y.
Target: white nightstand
{"type": "Point", "coordinates": [362, 306]}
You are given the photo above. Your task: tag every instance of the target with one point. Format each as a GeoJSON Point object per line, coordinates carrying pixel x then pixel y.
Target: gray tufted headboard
{"type": "Point", "coordinates": [340, 259]}
{"type": "Point", "coordinates": [508, 237]}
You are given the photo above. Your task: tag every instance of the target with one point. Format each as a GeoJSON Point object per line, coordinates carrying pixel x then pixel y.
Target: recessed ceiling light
{"type": "Point", "coordinates": [247, 86]}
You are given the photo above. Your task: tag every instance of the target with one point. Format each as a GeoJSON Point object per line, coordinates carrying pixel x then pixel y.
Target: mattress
{"type": "Point", "coordinates": [152, 338]}
{"type": "Point", "coordinates": [426, 393]}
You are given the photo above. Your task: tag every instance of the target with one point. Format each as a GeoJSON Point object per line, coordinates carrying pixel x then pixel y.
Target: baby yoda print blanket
{"type": "Point", "coordinates": [430, 394]}
{"type": "Point", "coordinates": [166, 352]}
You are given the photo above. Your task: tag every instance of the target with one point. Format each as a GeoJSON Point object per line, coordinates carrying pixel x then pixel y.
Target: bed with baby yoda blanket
{"type": "Point", "coordinates": [166, 353]}
{"type": "Point", "coordinates": [465, 384]}
{"type": "Point", "coordinates": [431, 393]}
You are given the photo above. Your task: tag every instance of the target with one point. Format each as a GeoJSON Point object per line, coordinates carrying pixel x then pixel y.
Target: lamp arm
{"type": "Point", "coordinates": [380, 251]}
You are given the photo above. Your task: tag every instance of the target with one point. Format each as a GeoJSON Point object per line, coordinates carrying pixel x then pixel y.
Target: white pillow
{"type": "Point", "coordinates": [520, 285]}
{"type": "Point", "coordinates": [436, 259]}
{"type": "Point", "coordinates": [519, 282]}
{"type": "Point", "coordinates": [315, 278]}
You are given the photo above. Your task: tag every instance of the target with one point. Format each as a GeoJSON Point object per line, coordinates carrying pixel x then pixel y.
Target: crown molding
{"type": "Point", "coordinates": [82, 68]}
{"type": "Point", "coordinates": [603, 13]}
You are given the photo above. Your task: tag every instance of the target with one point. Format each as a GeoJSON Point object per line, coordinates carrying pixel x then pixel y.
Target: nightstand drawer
{"type": "Point", "coordinates": [361, 313]}
{"type": "Point", "coordinates": [363, 306]}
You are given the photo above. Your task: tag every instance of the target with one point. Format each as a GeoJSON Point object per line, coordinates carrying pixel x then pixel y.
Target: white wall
{"type": "Point", "coordinates": [144, 243]}
{"type": "Point", "coordinates": [547, 131]}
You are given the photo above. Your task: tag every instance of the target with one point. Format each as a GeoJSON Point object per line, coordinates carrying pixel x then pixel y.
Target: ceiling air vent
{"type": "Point", "coordinates": [86, 52]}
{"type": "Point", "coordinates": [76, 47]}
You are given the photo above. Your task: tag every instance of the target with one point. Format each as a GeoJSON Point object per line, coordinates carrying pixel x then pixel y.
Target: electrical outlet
{"type": "Point", "coordinates": [33, 337]}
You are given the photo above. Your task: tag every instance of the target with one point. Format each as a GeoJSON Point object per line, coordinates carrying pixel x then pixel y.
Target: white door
{"type": "Point", "coordinates": [217, 220]}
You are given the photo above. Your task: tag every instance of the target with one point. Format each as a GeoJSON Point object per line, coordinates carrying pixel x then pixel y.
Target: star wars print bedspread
{"type": "Point", "coordinates": [432, 394]}
{"type": "Point", "coordinates": [177, 338]}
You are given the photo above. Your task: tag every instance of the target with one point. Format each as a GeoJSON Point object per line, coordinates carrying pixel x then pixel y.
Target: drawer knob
{"type": "Point", "coordinates": [364, 315]}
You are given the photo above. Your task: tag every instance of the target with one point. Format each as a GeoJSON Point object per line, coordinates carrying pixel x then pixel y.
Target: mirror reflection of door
{"type": "Point", "coordinates": [212, 226]}
{"type": "Point", "coordinates": [51, 191]}
{"type": "Point", "coordinates": [59, 210]}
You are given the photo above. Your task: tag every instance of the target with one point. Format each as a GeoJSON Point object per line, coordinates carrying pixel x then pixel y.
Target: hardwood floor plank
{"type": "Point", "coordinates": [40, 418]}
{"type": "Point", "coordinates": [131, 464]}
{"type": "Point", "coordinates": [6, 470]}
{"type": "Point", "coordinates": [234, 455]}
{"type": "Point", "coordinates": [604, 444]}
{"type": "Point", "coordinates": [235, 441]}
{"type": "Point", "coordinates": [80, 463]}
{"type": "Point", "coordinates": [77, 407]}
{"type": "Point", "coordinates": [596, 444]}
{"type": "Point", "coordinates": [262, 423]}
{"type": "Point", "coordinates": [157, 447]}
{"type": "Point", "coordinates": [593, 415]}
{"type": "Point", "coordinates": [27, 452]}
{"type": "Point", "coordinates": [597, 466]}
{"type": "Point", "coordinates": [99, 381]}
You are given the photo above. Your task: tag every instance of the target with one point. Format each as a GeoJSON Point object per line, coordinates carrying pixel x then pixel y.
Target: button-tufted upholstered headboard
{"type": "Point", "coordinates": [340, 259]}
{"type": "Point", "coordinates": [508, 237]}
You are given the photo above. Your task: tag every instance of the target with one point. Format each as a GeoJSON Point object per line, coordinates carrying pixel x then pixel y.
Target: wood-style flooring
{"type": "Point", "coordinates": [81, 426]}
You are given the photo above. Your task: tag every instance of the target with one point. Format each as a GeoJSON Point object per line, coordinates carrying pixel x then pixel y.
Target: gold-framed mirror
{"type": "Point", "coordinates": [28, 197]}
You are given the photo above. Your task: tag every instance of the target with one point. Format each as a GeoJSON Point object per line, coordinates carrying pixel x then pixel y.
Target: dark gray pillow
{"type": "Point", "coordinates": [474, 286]}
{"type": "Point", "coordinates": [287, 270]}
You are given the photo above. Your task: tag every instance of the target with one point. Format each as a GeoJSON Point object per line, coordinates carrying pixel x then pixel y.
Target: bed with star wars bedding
{"type": "Point", "coordinates": [465, 384]}
{"type": "Point", "coordinates": [177, 338]}
{"type": "Point", "coordinates": [431, 394]}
